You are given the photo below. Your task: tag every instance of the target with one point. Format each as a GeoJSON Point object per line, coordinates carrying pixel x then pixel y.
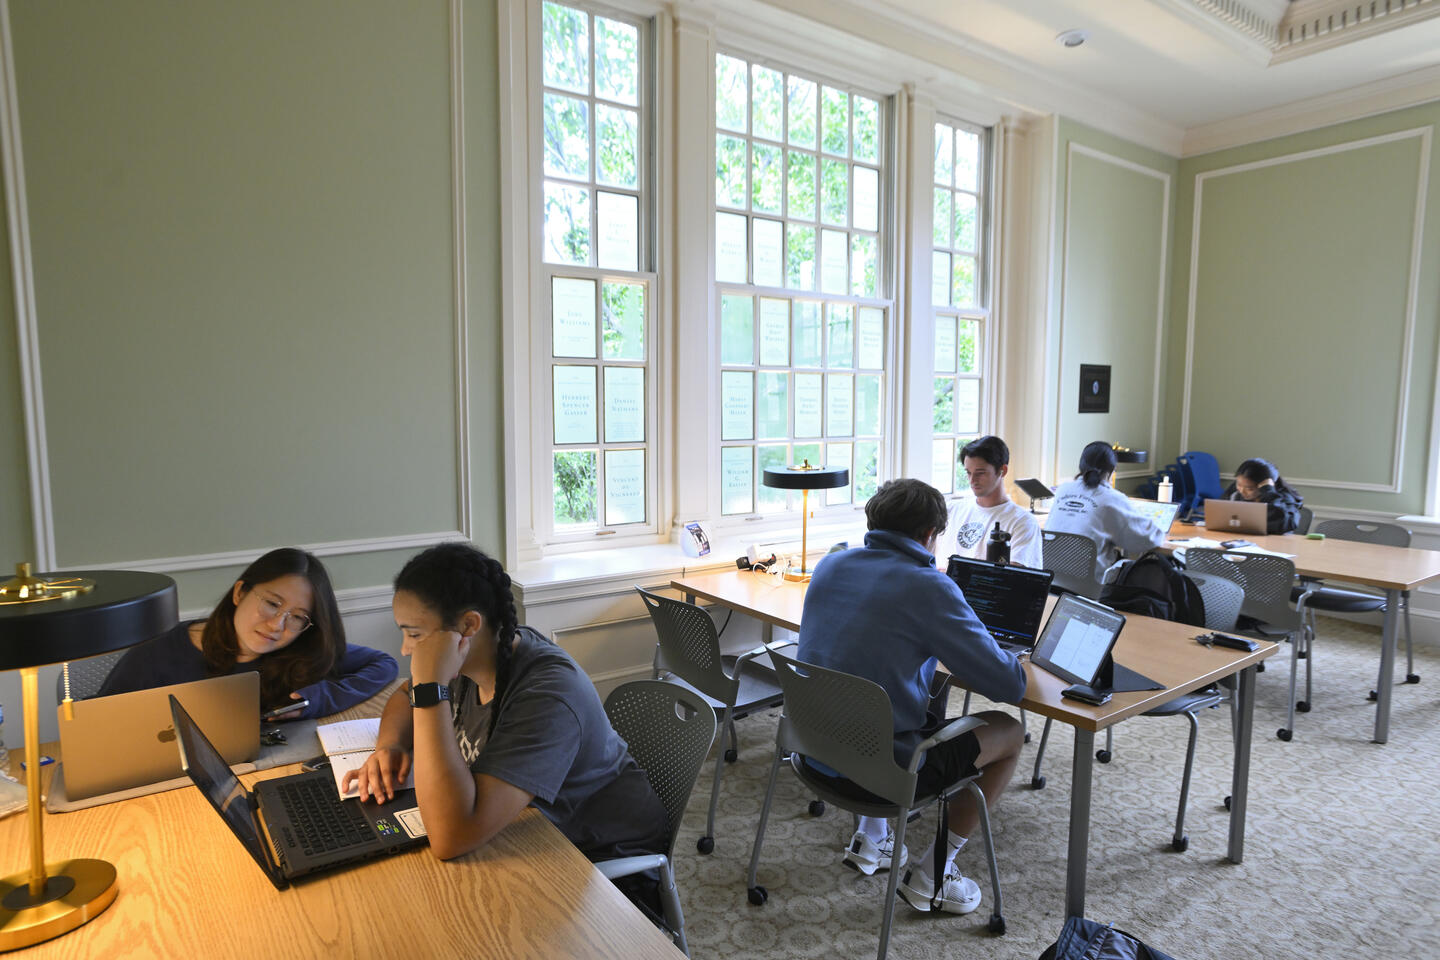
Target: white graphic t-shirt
{"type": "Point", "coordinates": [969, 531]}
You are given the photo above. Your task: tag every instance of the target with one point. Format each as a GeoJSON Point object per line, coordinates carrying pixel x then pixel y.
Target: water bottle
{"type": "Point", "coordinates": [997, 550]}
{"type": "Point", "coordinates": [1162, 492]}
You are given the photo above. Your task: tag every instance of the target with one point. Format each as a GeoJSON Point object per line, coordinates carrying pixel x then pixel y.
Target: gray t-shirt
{"type": "Point", "coordinates": [553, 740]}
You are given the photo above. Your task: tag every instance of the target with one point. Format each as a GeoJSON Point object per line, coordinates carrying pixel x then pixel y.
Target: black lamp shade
{"type": "Point", "coordinates": [799, 478]}
{"type": "Point", "coordinates": [125, 608]}
{"type": "Point", "coordinates": [1131, 456]}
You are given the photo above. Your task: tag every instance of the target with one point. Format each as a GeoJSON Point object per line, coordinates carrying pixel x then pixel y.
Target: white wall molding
{"type": "Point", "coordinates": [23, 279]}
{"type": "Point", "coordinates": [1301, 116]}
{"type": "Point", "coordinates": [1423, 134]}
{"type": "Point", "coordinates": [1140, 470]}
{"type": "Point", "coordinates": [42, 505]}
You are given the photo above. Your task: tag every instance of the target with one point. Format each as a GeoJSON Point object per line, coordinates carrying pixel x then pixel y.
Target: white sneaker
{"type": "Point", "coordinates": [866, 856]}
{"type": "Point", "coordinates": [959, 895]}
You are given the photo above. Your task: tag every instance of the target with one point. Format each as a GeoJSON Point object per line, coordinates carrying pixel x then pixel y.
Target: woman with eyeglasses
{"type": "Point", "coordinates": [279, 619]}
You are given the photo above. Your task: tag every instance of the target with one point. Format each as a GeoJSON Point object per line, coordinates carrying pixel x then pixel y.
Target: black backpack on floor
{"type": "Point", "coordinates": [1154, 585]}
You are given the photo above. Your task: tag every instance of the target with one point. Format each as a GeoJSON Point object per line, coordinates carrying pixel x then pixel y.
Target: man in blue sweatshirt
{"type": "Point", "coordinates": [885, 613]}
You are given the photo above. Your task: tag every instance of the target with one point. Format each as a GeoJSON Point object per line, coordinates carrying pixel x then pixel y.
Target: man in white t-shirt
{"type": "Point", "coordinates": [987, 462]}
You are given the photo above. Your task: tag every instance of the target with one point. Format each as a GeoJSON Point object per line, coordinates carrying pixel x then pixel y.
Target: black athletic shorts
{"type": "Point", "coordinates": [945, 765]}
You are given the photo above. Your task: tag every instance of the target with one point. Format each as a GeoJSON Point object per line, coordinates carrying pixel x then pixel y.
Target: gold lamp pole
{"type": "Point", "coordinates": [804, 478]}
{"type": "Point", "coordinates": [54, 898]}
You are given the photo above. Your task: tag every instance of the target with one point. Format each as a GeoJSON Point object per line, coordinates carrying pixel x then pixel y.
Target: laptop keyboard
{"type": "Point", "coordinates": [322, 822]}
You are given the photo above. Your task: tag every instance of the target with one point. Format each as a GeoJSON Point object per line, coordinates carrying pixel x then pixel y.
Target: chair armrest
{"type": "Point", "coordinates": [1311, 587]}
{"type": "Point", "coordinates": [625, 866]}
{"type": "Point", "coordinates": [946, 733]}
{"type": "Point", "coordinates": [749, 655]}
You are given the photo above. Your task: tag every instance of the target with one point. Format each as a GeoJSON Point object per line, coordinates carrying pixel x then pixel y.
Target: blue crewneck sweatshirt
{"type": "Point", "coordinates": [885, 613]}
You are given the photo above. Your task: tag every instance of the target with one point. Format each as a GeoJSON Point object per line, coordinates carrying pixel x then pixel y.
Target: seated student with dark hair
{"type": "Point", "coordinates": [1091, 507]}
{"type": "Point", "coordinates": [986, 462]}
{"type": "Point", "coordinates": [1260, 480]}
{"type": "Point", "coordinates": [885, 613]}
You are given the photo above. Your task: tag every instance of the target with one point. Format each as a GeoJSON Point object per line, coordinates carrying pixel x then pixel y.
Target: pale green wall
{"type": "Point", "coordinates": [1110, 283]}
{"type": "Point", "coordinates": [1303, 273]}
{"type": "Point", "coordinates": [16, 540]}
{"type": "Point", "coordinates": [241, 219]}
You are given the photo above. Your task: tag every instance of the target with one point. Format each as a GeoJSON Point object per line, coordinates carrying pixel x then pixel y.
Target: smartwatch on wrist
{"type": "Point", "coordinates": [428, 694]}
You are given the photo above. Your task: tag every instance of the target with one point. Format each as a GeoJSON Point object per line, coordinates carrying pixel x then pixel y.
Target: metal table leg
{"type": "Point", "coordinates": [1240, 775]}
{"type": "Point", "coordinates": [1078, 856]}
{"type": "Point", "coordinates": [1387, 667]}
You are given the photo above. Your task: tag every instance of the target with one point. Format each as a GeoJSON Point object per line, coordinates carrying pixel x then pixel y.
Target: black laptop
{"type": "Point", "coordinates": [1009, 600]}
{"type": "Point", "coordinates": [297, 824]}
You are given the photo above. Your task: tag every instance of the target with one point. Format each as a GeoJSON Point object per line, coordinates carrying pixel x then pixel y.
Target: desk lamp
{"type": "Point", "coordinates": [49, 620]}
{"type": "Point", "coordinates": [804, 478]}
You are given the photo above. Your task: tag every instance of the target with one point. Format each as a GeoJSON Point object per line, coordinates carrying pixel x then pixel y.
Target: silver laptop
{"type": "Point", "coordinates": [1236, 516]}
{"type": "Point", "coordinates": [1160, 514]}
{"type": "Point", "coordinates": [128, 740]}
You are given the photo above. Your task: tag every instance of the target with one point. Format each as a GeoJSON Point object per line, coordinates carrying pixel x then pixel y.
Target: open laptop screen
{"type": "Point", "coordinates": [1160, 514]}
{"type": "Point", "coordinates": [1009, 600]}
{"type": "Point", "coordinates": [219, 784]}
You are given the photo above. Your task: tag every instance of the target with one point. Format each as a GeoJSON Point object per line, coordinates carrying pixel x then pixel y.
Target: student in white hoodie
{"type": "Point", "coordinates": [1088, 505]}
{"type": "Point", "coordinates": [987, 462]}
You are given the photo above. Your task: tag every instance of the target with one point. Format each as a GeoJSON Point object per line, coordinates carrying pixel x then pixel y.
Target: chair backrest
{"type": "Point", "coordinates": [843, 721]}
{"type": "Point", "coordinates": [1307, 517]}
{"type": "Point", "coordinates": [669, 731]}
{"type": "Point", "coordinates": [1389, 534]}
{"type": "Point", "coordinates": [1205, 470]}
{"type": "Point", "coordinates": [1223, 599]}
{"type": "Point", "coordinates": [689, 644]}
{"type": "Point", "coordinates": [87, 676]}
{"type": "Point", "coordinates": [1266, 580]}
{"type": "Point", "coordinates": [1071, 558]}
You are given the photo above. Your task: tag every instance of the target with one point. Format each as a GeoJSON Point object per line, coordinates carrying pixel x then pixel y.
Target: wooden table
{"type": "Point", "coordinates": [1165, 652]}
{"type": "Point", "coordinates": [187, 888]}
{"type": "Point", "coordinates": [1392, 569]}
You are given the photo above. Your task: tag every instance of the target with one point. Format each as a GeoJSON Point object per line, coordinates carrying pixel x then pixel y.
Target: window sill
{"type": "Point", "coordinates": [604, 571]}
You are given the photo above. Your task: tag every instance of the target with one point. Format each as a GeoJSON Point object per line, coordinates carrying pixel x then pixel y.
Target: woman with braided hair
{"type": "Point", "coordinates": [496, 718]}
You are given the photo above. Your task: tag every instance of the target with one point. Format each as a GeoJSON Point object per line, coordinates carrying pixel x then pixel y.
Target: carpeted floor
{"type": "Point", "coordinates": [1342, 857]}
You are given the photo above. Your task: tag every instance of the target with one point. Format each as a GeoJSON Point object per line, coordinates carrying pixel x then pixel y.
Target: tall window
{"type": "Point", "coordinates": [598, 291]}
{"type": "Point", "coordinates": [803, 305]}
{"type": "Point", "coordinates": [957, 260]}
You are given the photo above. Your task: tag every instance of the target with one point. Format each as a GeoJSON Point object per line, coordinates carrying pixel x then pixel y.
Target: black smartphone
{"type": "Point", "coordinates": [1086, 695]}
{"type": "Point", "coordinates": [284, 709]}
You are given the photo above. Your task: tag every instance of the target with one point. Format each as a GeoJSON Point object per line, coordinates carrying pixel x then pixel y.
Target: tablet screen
{"type": "Point", "coordinates": [1076, 639]}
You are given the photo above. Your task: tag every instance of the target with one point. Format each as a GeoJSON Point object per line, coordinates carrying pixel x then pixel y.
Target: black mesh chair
{"type": "Point", "coordinates": [847, 723]}
{"type": "Point", "coordinates": [86, 676]}
{"type": "Point", "coordinates": [1071, 558]}
{"type": "Point", "coordinates": [669, 730]}
{"type": "Point", "coordinates": [1335, 600]}
{"type": "Point", "coordinates": [687, 651]}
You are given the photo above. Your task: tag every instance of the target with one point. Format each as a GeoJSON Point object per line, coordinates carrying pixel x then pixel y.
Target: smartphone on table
{"type": "Point", "coordinates": [283, 709]}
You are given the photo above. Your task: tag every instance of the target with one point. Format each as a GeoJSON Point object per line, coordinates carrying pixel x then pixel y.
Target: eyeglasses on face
{"type": "Point", "coordinates": [270, 608]}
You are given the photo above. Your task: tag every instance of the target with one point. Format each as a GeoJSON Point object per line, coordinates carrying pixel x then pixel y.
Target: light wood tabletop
{"type": "Point", "coordinates": [187, 888]}
{"type": "Point", "coordinates": [1372, 564]}
{"type": "Point", "coordinates": [1165, 652]}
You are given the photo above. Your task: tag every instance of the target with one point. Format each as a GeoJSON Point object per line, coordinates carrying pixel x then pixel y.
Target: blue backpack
{"type": "Point", "coordinates": [1082, 939]}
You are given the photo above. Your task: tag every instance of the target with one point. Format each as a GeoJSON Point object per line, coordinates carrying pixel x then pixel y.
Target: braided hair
{"type": "Point", "coordinates": [454, 578]}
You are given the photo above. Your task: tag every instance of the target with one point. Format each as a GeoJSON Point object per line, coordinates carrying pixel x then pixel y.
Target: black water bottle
{"type": "Point", "coordinates": [997, 550]}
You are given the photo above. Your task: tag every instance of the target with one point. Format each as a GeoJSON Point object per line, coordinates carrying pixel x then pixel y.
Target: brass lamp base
{"type": "Point", "coordinates": [797, 576]}
{"type": "Point", "coordinates": [76, 892]}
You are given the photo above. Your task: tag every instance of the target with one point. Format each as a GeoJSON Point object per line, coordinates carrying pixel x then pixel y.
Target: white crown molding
{"type": "Point", "coordinates": [1157, 379]}
{"type": "Point", "coordinates": [42, 505]}
{"type": "Point", "coordinates": [1311, 26]}
{"type": "Point", "coordinates": [1411, 295]}
{"type": "Point", "coordinates": [1355, 103]}
{"type": "Point", "coordinates": [956, 68]}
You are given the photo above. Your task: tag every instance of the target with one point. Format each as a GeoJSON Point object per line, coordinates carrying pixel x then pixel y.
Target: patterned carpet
{"type": "Point", "coordinates": [1342, 857]}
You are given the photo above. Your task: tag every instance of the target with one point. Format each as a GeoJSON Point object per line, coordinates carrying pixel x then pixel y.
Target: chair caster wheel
{"type": "Point", "coordinates": [1260, 667]}
{"type": "Point", "coordinates": [705, 844]}
{"type": "Point", "coordinates": [997, 924]}
{"type": "Point", "coordinates": [1227, 803]}
{"type": "Point", "coordinates": [1180, 845]}
{"type": "Point", "coordinates": [1303, 655]}
{"type": "Point", "coordinates": [1102, 755]}
{"type": "Point", "coordinates": [1302, 706]}
{"type": "Point", "coordinates": [1284, 734]}
{"type": "Point", "coordinates": [1412, 678]}
{"type": "Point", "coordinates": [758, 896]}
{"type": "Point", "coordinates": [1372, 696]}
{"type": "Point", "coordinates": [731, 756]}
{"type": "Point", "coordinates": [817, 808]}
{"type": "Point", "coordinates": [1038, 783]}
{"type": "Point", "coordinates": [1027, 736]}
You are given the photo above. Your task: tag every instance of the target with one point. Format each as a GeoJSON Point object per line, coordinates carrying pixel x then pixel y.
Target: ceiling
{"type": "Point", "coordinates": [1189, 63]}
